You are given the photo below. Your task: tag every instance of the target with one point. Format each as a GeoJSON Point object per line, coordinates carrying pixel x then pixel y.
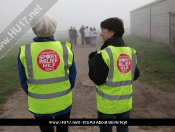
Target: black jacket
{"type": "Point", "coordinates": [74, 33]}
{"type": "Point", "coordinates": [82, 31]}
{"type": "Point", "coordinates": [98, 70]}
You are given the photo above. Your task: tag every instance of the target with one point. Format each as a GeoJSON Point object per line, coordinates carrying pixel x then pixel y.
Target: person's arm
{"type": "Point", "coordinates": [22, 76]}
{"type": "Point", "coordinates": [136, 73]}
{"type": "Point", "coordinates": [84, 31]}
{"type": "Point", "coordinates": [98, 70]}
{"type": "Point", "coordinates": [72, 74]}
{"type": "Point", "coordinates": [76, 33]}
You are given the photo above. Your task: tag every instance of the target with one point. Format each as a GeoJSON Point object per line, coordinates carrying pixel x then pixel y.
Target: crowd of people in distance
{"type": "Point", "coordinates": [88, 35]}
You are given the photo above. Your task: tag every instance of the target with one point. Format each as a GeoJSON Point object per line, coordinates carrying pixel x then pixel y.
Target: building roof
{"type": "Point", "coordinates": [154, 2]}
{"type": "Point", "coordinates": [172, 13]}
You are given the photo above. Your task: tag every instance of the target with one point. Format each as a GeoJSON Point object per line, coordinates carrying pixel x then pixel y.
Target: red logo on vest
{"type": "Point", "coordinates": [124, 63]}
{"type": "Point", "coordinates": [48, 60]}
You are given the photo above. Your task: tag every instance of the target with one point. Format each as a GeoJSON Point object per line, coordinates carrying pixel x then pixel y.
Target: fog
{"type": "Point", "coordinates": [75, 12]}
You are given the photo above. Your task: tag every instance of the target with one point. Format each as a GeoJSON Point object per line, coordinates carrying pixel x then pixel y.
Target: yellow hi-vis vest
{"type": "Point", "coordinates": [47, 70]}
{"type": "Point", "coordinates": [115, 96]}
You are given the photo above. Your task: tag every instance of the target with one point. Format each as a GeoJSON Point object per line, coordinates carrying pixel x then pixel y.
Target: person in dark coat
{"type": "Point", "coordinates": [113, 69]}
{"type": "Point", "coordinates": [70, 35]}
{"type": "Point", "coordinates": [75, 35]}
{"type": "Point", "coordinates": [82, 34]}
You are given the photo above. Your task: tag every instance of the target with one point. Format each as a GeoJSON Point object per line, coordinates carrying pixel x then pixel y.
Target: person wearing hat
{"type": "Point", "coordinates": [47, 74]}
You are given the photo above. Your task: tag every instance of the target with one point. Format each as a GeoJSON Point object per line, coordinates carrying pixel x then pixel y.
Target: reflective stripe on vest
{"type": "Point", "coordinates": [114, 97]}
{"type": "Point", "coordinates": [110, 82]}
{"type": "Point", "coordinates": [31, 80]}
{"type": "Point", "coordinates": [49, 96]}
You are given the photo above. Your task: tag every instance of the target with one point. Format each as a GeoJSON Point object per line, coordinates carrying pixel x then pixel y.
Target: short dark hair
{"type": "Point", "coordinates": [114, 24]}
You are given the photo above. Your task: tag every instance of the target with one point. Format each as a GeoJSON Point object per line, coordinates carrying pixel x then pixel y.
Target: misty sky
{"type": "Point", "coordinates": [75, 12]}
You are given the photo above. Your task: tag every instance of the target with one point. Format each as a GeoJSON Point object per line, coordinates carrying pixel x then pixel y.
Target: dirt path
{"type": "Point", "coordinates": [148, 102]}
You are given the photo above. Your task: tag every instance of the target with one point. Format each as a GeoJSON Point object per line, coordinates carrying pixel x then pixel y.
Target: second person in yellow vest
{"type": "Point", "coordinates": [113, 69]}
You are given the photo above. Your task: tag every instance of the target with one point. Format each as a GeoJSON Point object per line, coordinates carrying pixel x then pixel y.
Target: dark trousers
{"type": "Point", "coordinates": [87, 40]}
{"type": "Point", "coordinates": [59, 128]}
{"type": "Point", "coordinates": [125, 115]}
{"type": "Point", "coordinates": [82, 39]}
{"type": "Point", "coordinates": [74, 40]}
{"type": "Point", "coordinates": [71, 40]}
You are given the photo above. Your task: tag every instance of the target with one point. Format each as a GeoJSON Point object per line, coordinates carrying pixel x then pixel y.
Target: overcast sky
{"type": "Point", "coordinates": [75, 12]}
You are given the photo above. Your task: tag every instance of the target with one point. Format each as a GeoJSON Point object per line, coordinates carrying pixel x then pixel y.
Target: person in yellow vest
{"type": "Point", "coordinates": [47, 74]}
{"type": "Point", "coordinates": [113, 69]}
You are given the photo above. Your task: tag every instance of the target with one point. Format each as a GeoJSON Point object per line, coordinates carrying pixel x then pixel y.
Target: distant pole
{"type": "Point", "coordinates": [171, 33]}
{"type": "Point", "coordinates": [150, 24]}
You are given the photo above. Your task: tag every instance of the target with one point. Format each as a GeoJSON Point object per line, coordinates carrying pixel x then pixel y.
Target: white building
{"type": "Point", "coordinates": [156, 22]}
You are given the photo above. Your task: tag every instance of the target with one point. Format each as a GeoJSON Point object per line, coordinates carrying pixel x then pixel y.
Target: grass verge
{"type": "Point", "coordinates": [156, 65]}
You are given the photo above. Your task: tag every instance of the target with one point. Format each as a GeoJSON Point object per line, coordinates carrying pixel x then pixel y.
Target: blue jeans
{"type": "Point", "coordinates": [125, 115]}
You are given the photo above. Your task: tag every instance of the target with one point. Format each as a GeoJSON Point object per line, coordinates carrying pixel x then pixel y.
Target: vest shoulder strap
{"type": "Point", "coordinates": [68, 44]}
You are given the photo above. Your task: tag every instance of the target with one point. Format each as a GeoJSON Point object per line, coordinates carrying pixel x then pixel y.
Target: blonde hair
{"type": "Point", "coordinates": [45, 26]}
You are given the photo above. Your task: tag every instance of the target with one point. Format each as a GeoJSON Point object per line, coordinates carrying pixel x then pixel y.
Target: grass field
{"type": "Point", "coordinates": [156, 65]}
{"type": "Point", "coordinates": [154, 61]}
